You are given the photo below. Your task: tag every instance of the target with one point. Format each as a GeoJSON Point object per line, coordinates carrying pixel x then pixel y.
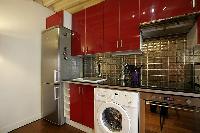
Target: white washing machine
{"type": "Point", "coordinates": [116, 111]}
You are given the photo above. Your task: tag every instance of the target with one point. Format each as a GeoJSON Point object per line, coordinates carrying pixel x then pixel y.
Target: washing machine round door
{"type": "Point", "coordinates": [113, 118]}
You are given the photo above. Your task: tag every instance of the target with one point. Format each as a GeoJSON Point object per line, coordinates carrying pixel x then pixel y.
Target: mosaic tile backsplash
{"type": "Point", "coordinates": [167, 62]}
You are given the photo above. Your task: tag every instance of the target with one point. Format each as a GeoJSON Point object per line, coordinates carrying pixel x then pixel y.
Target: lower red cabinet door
{"type": "Point", "coordinates": [88, 114]}
{"type": "Point", "coordinates": [82, 104]}
{"type": "Point", "coordinates": [88, 106]}
{"type": "Point", "coordinates": [75, 103]}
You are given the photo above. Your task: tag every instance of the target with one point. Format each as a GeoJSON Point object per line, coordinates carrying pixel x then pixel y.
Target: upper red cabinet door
{"type": "Point", "coordinates": [78, 33]}
{"type": "Point", "coordinates": [75, 103]}
{"type": "Point", "coordinates": [94, 29]}
{"type": "Point", "coordinates": [148, 10]}
{"type": "Point", "coordinates": [55, 20]}
{"type": "Point", "coordinates": [160, 9]}
{"type": "Point", "coordinates": [111, 25]}
{"type": "Point", "coordinates": [129, 25]}
{"type": "Point", "coordinates": [177, 7]}
{"type": "Point", "coordinates": [197, 6]}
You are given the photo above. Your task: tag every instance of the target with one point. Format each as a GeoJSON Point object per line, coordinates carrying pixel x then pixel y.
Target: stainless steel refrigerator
{"type": "Point", "coordinates": [57, 66]}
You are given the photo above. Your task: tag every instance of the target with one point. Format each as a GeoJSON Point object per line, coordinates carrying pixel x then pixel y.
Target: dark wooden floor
{"type": "Point", "coordinates": [42, 126]}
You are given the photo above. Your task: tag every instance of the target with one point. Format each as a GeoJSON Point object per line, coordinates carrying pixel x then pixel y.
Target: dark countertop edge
{"type": "Point", "coordinates": [151, 91]}
{"type": "Point", "coordinates": [137, 89]}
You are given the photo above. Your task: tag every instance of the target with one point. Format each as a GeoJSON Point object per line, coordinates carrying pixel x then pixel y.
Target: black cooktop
{"type": "Point", "coordinates": [185, 88]}
{"type": "Point", "coordinates": [118, 83]}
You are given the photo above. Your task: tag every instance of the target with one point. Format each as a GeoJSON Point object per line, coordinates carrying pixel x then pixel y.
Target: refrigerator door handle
{"type": "Point", "coordinates": [55, 94]}
{"type": "Point", "coordinates": [55, 76]}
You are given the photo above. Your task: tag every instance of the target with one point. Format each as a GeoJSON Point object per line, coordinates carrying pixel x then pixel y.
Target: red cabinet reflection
{"type": "Point", "coordinates": [160, 9]}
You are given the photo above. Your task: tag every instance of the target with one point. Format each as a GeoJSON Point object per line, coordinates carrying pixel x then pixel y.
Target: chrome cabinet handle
{"type": "Point", "coordinates": [193, 3]}
{"type": "Point", "coordinates": [79, 90]}
{"type": "Point", "coordinates": [117, 44]}
{"type": "Point", "coordinates": [86, 50]}
{"type": "Point", "coordinates": [121, 43]}
{"type": "Point", "coordinates": [55, 94]}
{"type": "Point", "coordinates": [83, 50]}
{"type": "Point", "coordinates": [55, 76]}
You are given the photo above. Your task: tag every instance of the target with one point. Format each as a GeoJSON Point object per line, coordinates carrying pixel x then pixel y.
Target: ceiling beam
{"type": "Point", "coordinates": [82, 6]}
{"type": "Point", "coordinates": [48, 3]}
{"type": "Point", "coordinates": [39, 1]}
{"type": "Point", "coordinates": [65, 4]}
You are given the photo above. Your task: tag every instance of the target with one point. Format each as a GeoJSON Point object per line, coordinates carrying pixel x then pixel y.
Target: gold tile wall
{"type": "Point", "coordinates": [166, 62]}
{"type": "Point", "coordinates": [111, 66]}
{"type": "Point", "coordinates": [164, 66]}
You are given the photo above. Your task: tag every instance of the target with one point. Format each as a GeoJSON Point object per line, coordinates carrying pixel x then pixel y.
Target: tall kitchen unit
{"type": "Point", "coordinates": [57, 66]}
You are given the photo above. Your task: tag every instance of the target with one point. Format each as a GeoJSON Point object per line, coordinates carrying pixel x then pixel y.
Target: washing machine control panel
{"type": "Point", "coordinates": [102, 95]}
{"type": "Point", "coordinates": [123, 98]}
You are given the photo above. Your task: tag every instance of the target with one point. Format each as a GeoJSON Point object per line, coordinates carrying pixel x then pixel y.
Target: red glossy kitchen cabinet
{"type": "Point", "coordinates": [55, 20]}
{"type": "Point", "coordinates": [82, 104]}
{"type": "Point", "coordinates": [88, 105]}
{"type": "Point", "coordinates": [121, 25]}
{"type": "Point", "coordinates": [94, 29]}
{"type": "Point", "coordinates": [160, 9]}
{"type": "Point", "coordinates": [111, 26]}
{"type": "Point", "coordinates": [78, 33]}
{"type": "Point", "coordinates": [87, 27]}
{"type": "Point", "coordinates": [60, 18]}
{"type": "Point", "coordinates": [197, 6]}
{"type": "Point", "coordinates": [75, 103]}
{"type": "Point", "coordinates": [129, 25]}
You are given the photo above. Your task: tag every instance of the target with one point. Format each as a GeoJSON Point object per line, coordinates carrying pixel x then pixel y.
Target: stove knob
{"type": "Point", "coordinates": [160, 98]}
{"type": "Point", "coordinates": [188, 101]}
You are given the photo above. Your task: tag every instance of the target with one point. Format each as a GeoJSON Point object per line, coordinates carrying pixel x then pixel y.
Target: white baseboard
{"type": "Point", "coordinates": [80, 127]}
{"type": "Point", "coordinates": [18, 124]}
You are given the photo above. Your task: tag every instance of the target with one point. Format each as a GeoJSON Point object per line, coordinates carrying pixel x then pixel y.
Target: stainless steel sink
{"type": "Point", "coordinates": [90, 79]}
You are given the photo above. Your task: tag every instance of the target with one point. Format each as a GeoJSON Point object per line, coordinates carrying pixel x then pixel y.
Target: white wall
{"type": "Point", "coordinates": [21, 23]}
{"type": "Point", "coordinates": [67, 20]}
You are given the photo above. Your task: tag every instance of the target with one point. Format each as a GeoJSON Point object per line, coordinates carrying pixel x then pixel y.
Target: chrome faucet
{"type": "Point", "coordinates": [98, 69]}
{"type": "Point", "coordinates": [123, 71]}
